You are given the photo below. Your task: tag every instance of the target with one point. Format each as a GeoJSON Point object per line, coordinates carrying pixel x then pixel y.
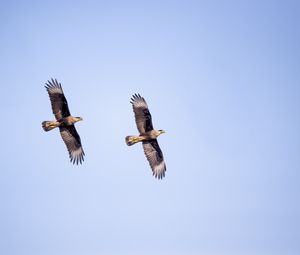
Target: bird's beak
{"type": "Point", "coordinates": [163, 131]}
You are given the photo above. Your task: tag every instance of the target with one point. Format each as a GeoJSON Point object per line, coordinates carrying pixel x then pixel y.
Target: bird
{"type": "Point", "coordinates": [147, 136]}
{"type": "Point", "coordinates": [64, 121]}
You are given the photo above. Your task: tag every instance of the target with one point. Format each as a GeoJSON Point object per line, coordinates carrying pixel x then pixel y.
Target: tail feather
{"type": "Point", "coordinates": [130, 140]}
{"type": "Point", "coordinates": [48, 125]}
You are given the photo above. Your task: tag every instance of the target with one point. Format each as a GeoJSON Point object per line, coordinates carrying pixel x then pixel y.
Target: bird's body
{"type": "Point", "coordinates": [64, 121]}
{"type": "Point", "coordinates": [147, 136]}
{"type": "Point", "coordinates": [152, 134]}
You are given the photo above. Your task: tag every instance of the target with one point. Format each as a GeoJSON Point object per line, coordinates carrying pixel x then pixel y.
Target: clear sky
{"type": "Point", "coordinates": [221, 77]}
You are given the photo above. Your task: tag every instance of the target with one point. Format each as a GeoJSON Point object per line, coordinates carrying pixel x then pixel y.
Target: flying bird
{"type": "Point", "coordinates": [147, 136]}
{"type": "Point", "coordinates": [64, 121]}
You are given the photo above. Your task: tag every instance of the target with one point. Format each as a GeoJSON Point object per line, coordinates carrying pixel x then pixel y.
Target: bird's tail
{"type": "Point", "coordinates": [48, 125]}
{"type": "Point", "coordinates": [131, 139]}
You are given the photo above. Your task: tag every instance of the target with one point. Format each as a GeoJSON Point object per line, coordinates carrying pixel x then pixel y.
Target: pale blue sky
{"type": "Point", "coordinates": [221, 77]}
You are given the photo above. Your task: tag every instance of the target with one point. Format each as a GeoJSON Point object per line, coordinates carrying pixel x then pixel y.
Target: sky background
{"type": "Point", "coordinates": [221, 77]}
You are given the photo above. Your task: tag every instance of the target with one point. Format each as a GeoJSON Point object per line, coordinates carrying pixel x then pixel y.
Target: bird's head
{"type": "Point", "coordinates": [161, 131]}
{"type": "Point", "coordinates": [77, 119]}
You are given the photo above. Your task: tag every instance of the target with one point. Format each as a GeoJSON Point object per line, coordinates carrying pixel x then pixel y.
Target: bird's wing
{"type": "Point", "coordinates": [155, 158]}
{"type": "Point", "coordinates": [142, 115]}
{"type": "Point", "coordinates": [73, 143]}
{"type": "Point", "coordinates": [58, 101]}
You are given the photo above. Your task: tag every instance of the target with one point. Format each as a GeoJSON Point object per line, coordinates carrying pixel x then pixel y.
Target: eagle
{"type": "Point", "coordinates": [64, 121]}
{"type": "Point", "coordinates": [147, 136]}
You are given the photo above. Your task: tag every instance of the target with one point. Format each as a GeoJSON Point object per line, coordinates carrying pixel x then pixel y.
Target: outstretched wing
{"type": "Point", "coordinates": [155, 158]}
{"type": "Point", "coordinates": [142, 115]}
{"type": "Point", "coordinates": [73, 143]}
{"type": "Point", "coordinates": [58, 101]}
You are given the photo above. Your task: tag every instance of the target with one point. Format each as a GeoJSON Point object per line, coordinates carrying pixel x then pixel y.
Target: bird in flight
{"type": "Point", "coordinates": [64, 121]}
{"type": "Point", "coordinates": [147, 136]}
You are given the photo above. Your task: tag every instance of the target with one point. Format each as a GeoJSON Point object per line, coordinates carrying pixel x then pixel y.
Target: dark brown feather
{"type": "Point", "coordinates": [155, 157]}
{"type": "Point", "coordinates": [142, 115]}
{"type": "Point", "coordinates": [73, 143]}
{"type": "Point", "coordinates": [58, 100]}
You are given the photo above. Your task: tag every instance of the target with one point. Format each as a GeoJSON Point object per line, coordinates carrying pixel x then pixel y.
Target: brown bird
{"type": "Point", "coordinates": [147, 136]}
{"type": "Point", "coordinates": [64, 121]}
